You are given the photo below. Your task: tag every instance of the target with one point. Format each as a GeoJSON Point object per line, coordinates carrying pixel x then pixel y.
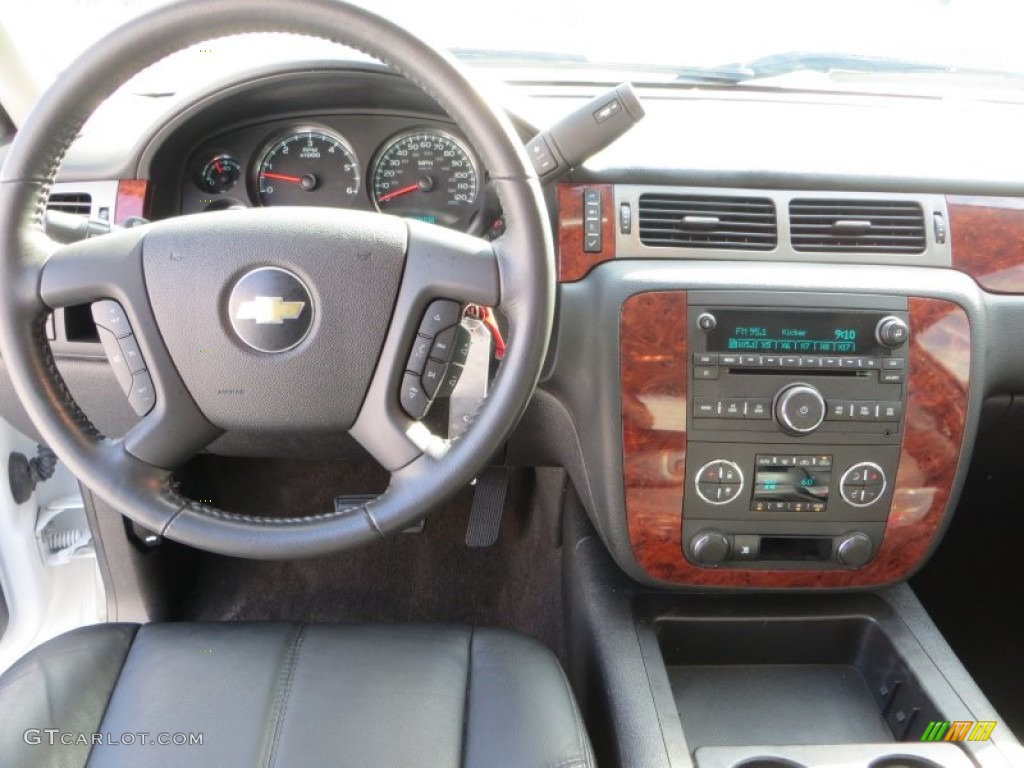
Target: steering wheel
{"type": "Point", "coordinates": [366, 281]}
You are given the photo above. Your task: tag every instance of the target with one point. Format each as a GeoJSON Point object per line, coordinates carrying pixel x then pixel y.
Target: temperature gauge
{"type": "Point", "coordinates": [220, 174]}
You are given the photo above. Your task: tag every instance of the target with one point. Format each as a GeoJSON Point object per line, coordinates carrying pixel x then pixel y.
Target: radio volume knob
{"type": "Point", "coordinates": [892, 332]}
{"type": "Point", "coordinates": [709, 548]}
{"type": "Point", "coordinates": [799, 409]}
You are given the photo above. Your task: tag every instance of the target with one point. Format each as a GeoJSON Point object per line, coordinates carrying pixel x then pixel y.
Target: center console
{"type": "Point", "coordinates": [795, 421]}
{"type": "Point", "coordinates": [789, 439]}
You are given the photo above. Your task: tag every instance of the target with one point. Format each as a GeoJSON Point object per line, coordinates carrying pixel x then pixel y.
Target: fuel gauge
{"type": "Point", "coordinates": [220, 174]}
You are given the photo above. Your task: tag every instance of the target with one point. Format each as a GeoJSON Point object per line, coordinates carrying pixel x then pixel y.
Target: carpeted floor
{"type": "Point", "coordinates": [426, 577]}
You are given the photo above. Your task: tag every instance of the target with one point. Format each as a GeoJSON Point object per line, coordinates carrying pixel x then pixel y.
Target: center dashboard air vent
{"type": "Point", "coordinates": [698, 221]}
{"type": "Point", "coordinates": [857, 226]}
{"type": "Point", "coordinates": [79, 203]}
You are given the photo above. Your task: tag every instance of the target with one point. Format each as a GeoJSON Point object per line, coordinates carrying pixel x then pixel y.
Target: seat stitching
{"type": "Point", "coordinates": [581, 739]}
{"type": "Point", "coordinates": [113, 688]}
{"type": "Point", "coordinates": [281, 698]}
{"type": "Point", "coordinates": [465, 705]}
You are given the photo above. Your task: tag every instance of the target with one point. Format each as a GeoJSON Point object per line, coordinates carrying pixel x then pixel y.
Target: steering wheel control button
{"type": "Point", "coordinates": [862, 484]}
{"type": "Point", "coordinates": [414, 399]}
{"type": "Point", "coordinates": [132, 354]}
{"type": "Point", "coordinates": [719, 481]}
{"type": "Point", "coordinates": [799, 409]}
{"type": "Point", "coordinates": [440, 314]}
{"type": "Point", "coordinates": [451, 379]}
{"type": "Point", "coordinates": [271, 309]}
{"type": "Point", "coordinates": [433, 376]}
{"type": "Point", "coordinates": [443, 344]}
{"type": "Point", "coordinates": [109, 314]}
{"type": "Point", "coordinates": [419, 355]}
{"type": "Point", "coordinates": [116, 359]}
{"type": "Point", "coordinates": [142, 398]}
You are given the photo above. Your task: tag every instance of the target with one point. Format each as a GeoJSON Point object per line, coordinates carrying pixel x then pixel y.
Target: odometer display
{"type": "Point", "coordinates": [309, 166]}
{"type": "Point", "coordinates": [427, 175]}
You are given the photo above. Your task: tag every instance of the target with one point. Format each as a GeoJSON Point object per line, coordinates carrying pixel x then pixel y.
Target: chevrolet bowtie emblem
{"type": "Point", "coordinates": [269, 310]}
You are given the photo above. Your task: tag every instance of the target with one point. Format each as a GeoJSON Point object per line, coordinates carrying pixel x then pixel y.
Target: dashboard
{"type": "Point", "coordinates": [769, 376]}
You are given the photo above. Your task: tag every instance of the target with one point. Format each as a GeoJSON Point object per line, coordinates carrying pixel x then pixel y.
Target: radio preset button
{"type": "Point", "coordinates": [729, 359]}
{"type": "Point", "coordinates": [750, 360]}
{"type": "Point", "coordinates": [893, 363]}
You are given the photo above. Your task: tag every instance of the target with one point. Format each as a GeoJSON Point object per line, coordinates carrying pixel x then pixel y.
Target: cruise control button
{"type": "Point", "coordinates": [142, 398]}
{"type": "Point", "coordinates": [433, 375]}
{"type": "Point", "coordinates": [418, 356]}
{"type": "Point", "coordinates": [132, 354]}
{"type": "Point", "coordinates": [108, 314]}
{"type": "Point", "coordinates": [440, 314]}
{"type": "Point", "coordinates": [116, 359]}
{"type": "Point", "coordinates": [414, 400]}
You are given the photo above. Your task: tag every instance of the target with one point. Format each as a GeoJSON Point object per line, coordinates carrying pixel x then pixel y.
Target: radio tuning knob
{"type": "Point", "coordinates": [892, 332]}
{"type": "Point", "coordinates": [799, 409]}
{"type": "Point", "coordinates": [709, 548]}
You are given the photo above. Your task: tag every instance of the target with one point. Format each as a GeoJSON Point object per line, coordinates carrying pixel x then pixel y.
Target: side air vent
{"type": "Point", "coordinates": [70, 202]}
{"type": "Point", "coordinates": [696, 221]}
{"type": "Point", "coordinates": [857, 226]}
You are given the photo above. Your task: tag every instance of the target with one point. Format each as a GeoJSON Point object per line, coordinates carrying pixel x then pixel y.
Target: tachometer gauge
{"type": "Point", "coordinates": [426, 174]}
{"type": "Point", "coordinates": [307, 166]}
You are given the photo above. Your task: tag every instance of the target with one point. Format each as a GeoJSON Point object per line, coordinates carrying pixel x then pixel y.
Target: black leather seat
{"type": "Point", "coordinates": [290, 695]}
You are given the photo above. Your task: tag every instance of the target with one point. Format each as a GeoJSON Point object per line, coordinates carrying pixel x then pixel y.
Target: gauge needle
{"type": "Point", "coordinates": [280, 177]}
{"type": "Point", "coordinates": [397, 192]}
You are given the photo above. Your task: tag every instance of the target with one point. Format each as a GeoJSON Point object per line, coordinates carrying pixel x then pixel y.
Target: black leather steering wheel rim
{"type": "Point", "coordinates": [35, 273]}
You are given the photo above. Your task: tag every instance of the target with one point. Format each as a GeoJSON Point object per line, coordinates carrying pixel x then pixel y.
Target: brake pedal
{"type": "Point", "coordinates": [488, 504]}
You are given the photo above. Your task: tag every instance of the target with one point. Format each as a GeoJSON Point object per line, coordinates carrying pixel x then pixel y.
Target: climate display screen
{"type": "Point", "coordinates": [794, 332]}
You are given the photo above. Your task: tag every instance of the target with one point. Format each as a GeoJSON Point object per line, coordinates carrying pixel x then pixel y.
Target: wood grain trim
{"type": "Point", "coordinates": [573, 262]}
{"type": "Point", "coordinates": [653, 355]}
{"type": "Point", "coordinates": [131, 199]}
{"type": "Point", "coordinates": [987, 240]}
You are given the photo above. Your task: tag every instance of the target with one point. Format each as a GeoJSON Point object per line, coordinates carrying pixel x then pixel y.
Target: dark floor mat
{"type": "Point", "coordinates": [973, 588]}
{"type": "Point", "coordinates": [427, 577]}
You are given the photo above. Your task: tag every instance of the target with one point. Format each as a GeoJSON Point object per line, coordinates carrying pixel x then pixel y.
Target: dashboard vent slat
{"type": "Point", "coordinates": [79, 203]}
{"type": "Point", "coordinates": [698, 221]}
{"type": "Point", "coordinates": [893, 226]}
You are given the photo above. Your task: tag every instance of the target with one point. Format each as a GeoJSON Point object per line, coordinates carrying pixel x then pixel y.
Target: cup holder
{"type": "Point", "coordinates": [903, 761]}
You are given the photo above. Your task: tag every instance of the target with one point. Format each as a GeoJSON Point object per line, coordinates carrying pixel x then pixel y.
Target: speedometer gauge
{"type": "Point", "coordinates": [426, 174]}
{"type": "Point", "coordinates": [307, 166]}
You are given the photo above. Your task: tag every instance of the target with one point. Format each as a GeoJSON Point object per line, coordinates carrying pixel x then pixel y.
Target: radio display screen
{"type": "Point", "coordinates": [794, 332]}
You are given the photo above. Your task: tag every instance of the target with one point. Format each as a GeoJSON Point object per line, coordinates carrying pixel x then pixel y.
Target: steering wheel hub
{"type": "Point", "coordinates": [271, 309]}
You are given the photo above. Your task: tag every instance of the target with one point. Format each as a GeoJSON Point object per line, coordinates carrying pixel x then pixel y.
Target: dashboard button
{"type": "Point", "coordinates": [109, 314]}
{"type": "Point", "coordinates": [862, 484]}
{"type": "Point", "coordinates": [864, 411]}
{"type": "Point", "coordinates": [142, 398]}
{"type": "Point", "coordinates": [810, 362]}
{"type": "Point", "coordinates": [704, 407]}
{"type": "Point", "coordinates": [705, 358]}
{"type": "Point", "coordinates": [745, 546]}
{"type": "Point", "coordinates": [790, 362]}
{"type": "Point", "coordinates": [729, 359]}
{"type": "Point", "coordinates": [759, 409]}
{"type": "Point", "coordinates": [750, 360]}
{"type": "Point", "coordinates": [891, 377]}
{"type": "Point", "coordinates": [732, 409]}
{"type": "Point", "coordinates": [440, 314]}
{"type": "Point", "coordinates": [705, 372]}
{"type": "Point", "coordinates": [889, 411]}
{"type": "Point", "coordinates": [839, 410]}
{"type": "Point", "coordinates": [719, 481]}
{"type": "Point", "coordinates": [893, 363]}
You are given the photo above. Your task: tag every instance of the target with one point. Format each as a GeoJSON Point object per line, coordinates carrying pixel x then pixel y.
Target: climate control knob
{"type": "Point", "coordinates": [892, 332]}
{"type": "Point", "coordinates": [709, 548]}
{"type": "Point", "coordinates": [855, 549]}
{"type": "Point", "coordinates": [799, 409]}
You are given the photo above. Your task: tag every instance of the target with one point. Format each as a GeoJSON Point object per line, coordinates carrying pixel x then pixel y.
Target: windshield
{"type": "Point", "coordinates": [970, 47]}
